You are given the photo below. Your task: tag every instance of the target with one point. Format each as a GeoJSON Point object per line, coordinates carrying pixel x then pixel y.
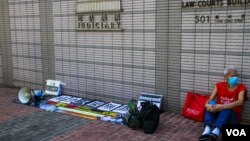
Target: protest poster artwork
{"type": "Point", "coordinates": [122, 109]}
{"type": "Point", "coordinates": [109, 106]}
{"type": "Point", "coordinates": [80, 102]}
{"type": "Point", "coordinates": [63, 99]}
{"type": "Point", "coordinates": [95, 104]}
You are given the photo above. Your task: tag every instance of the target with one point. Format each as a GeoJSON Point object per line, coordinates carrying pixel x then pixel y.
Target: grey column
{"type": "Point", "coordinates": [47, 39]}
{"type": "Point", "coordinates": [5, 44]}
{"type": "Point", "coordinates": [168, 52]}
{"type": "Point", "coordinates": [174, 55]}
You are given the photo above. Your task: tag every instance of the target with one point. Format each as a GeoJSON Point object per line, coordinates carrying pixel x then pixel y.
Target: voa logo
{"type": "Point", "coordinates": [236, 132]}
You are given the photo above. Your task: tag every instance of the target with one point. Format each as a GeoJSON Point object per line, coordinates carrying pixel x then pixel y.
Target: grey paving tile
{"type": "Point", "coordinates": [38, 126]}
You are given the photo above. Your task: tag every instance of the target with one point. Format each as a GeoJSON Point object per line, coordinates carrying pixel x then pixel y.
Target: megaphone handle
{"type": "Point", "coordinates": [33, 92]}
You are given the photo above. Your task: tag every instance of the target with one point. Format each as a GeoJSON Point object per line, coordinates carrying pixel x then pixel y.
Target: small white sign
{"type": "Point", "coordinates": [53, 87]}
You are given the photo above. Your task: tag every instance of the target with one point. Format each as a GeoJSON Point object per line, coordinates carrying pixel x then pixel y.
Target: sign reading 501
{"type": "Point", "coordinates": [202, 19]}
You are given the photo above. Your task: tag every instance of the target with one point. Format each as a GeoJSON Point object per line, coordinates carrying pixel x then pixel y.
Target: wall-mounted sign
{"type": "Point", "coordinates": [98, 15]}
{"type": "Point", "coordinates": [213, 3]}
{"type": "Point", "coordinates": [217, 18]}
{"type": "Point", "coordinates": [85, 6]}
{"type": "Point", "coordinates": [99, 22]}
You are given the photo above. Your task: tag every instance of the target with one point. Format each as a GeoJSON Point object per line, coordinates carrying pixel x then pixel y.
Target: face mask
{"type": "Point", "coordinates": [233, 81]}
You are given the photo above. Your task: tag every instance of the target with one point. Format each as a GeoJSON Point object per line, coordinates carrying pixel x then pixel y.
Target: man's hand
{"type": "Point", "coordinates": [218, 107]}
{"type": "Point", "coordinates": [210, 108]}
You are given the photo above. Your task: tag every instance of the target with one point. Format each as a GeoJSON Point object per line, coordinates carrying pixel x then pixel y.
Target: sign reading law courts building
{"type": "Point", "coordinates": [231, 17]}
{"type": "Point", "coordinates": [214, 20]}
{"type": "Point", "coordinates": [98, 15]}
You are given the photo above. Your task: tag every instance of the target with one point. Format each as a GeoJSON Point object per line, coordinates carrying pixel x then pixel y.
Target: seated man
{"type": "Point", "coordinates": [224, 105]}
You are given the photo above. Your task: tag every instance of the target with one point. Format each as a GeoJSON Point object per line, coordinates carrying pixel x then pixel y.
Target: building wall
{"type": "Point", "coordinates": [108, 65]}
{"type": "Point", "coordinates": [214, 37]}
{"type": "Point", "coordinates": [25, 33]}
{"type": "Point", "coordinates": [6, 76]}
{"type": "Point", "coordinates": [1, 44]}
{"type": "Point", "coordinates": [167, 47]}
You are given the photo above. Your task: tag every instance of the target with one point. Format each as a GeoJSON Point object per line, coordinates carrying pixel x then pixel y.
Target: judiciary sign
{"type": "Point", "coordinates": [98, 15]}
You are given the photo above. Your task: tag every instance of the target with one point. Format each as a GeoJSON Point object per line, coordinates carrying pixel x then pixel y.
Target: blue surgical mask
{"type": "Point", "coordinates": [233, 81]}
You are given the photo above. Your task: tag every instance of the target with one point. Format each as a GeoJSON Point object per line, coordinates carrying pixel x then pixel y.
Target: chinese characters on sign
{"type": "Point", "coordinates": [99, 22]}
{"type": "Point", "coordinates": [203, 19]}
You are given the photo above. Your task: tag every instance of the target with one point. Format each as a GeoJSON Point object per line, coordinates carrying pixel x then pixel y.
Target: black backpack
{"type": "Point", "coordinates": [132, 119]}
{"type": "Point", "coordinates": [150, 116]}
